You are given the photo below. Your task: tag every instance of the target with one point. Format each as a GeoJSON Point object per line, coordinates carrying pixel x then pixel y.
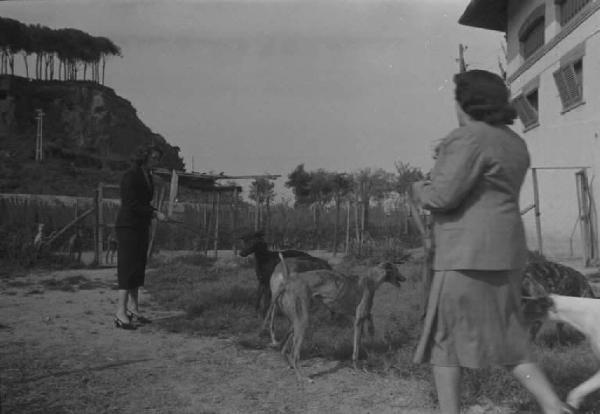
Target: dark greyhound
{"type": "Point", "coordinates": [264, 262]}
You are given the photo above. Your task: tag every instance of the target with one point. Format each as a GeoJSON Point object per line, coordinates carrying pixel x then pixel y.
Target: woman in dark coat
{"type": "Point", "coordinates": [132, 228]}
{"type": "Point", "coordinates": [474, 316]}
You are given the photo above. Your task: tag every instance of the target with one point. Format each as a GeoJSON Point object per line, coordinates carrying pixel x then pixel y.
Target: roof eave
{"type": "Point", "coordinates": [486, 14]}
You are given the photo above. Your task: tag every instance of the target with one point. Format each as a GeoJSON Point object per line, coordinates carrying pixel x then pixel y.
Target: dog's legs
{"type": "Point", "coordinates": [259, 293]}
{"type": "Point", "coordinates": [300, 326]}
{"type": "Point", "coordinates": [274, 341]}
{"type": "Point", "coordinates": [287, 340]}
{"type": "Point", "coordinates": [358, 327]}
{"type": "Point", "coordinates": [576, 396]}
{"type": "Point", "coordinates": [362, 314]}
{"type": "Point", "coordinates": [535, 328]}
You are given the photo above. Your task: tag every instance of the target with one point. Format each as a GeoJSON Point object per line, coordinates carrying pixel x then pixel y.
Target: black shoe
{"type": "Point", "coordinates": [138, 318]}
{"type": "Point", "coordinates": [123, 325]}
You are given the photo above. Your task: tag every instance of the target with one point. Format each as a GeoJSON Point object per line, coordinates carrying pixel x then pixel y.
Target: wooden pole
{"type": "Point", "coordinates": [173, 187]}
{"type": "Point", "coordinates": [69, 226]}
{"type": "Point", "coordinates": [348, 207]}
{"type": "Point", "coordinates": [216, 242]}
{"type": "Point", "coordinates": [154, 224]}
{"type": "Point", "coordinates": [234, 220]}
{"type": "Point", "coordinates": [536, 201]}
{"type": "Point", "coordinates": [257, 216]}
{"type": "Point", "coordinates": [428, 249]}
{"type": "Point", "coordinates": [99, 225]}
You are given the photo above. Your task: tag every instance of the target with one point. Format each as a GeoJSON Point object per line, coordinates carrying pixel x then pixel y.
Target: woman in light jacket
{"type": "Point", "coordinates": [474, 316]}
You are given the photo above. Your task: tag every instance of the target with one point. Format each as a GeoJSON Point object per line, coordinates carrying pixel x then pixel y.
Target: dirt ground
{"type": "Point", "coordinates": [60, 353]}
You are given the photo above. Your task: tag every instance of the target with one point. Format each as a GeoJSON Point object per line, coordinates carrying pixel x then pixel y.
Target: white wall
{"type": "Point", "coordinates": [568, 139]}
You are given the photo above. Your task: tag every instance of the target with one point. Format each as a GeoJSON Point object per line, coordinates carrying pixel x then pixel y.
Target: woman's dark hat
{"type": "Point", "coordinates": [480, 87]}
{"type": "Point", "coordinates": [484, 96]}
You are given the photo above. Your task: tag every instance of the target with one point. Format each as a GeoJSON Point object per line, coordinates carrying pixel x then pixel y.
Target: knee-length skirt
{"type": "Point", "coordinates": [131, 256]}
{"type": "Point", "coordinates": [474, 320]}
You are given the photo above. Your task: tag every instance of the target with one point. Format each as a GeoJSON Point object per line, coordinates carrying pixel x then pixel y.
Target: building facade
{"type": "Point", "coordinates": [553, 70]}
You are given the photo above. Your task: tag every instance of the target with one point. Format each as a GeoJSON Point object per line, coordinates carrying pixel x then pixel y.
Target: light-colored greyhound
{"type": "Point", "coordinates": [582, 314]}
{"type": "Point", "coordinates": [339, 293]}
{"type": "Point", "coordinates": [285, 270]}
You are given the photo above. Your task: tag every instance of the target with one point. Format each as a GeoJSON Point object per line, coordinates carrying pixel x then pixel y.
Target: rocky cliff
{"type": "Point", "coordinates": [89, 132]}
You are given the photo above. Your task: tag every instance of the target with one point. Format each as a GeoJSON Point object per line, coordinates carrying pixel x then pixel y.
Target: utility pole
{"type": "Point", "coordinates": [503, 59]}
{"type": "Point", "coordinates": [39, 139]}
{"type": "Point", "coordinates": [462, 66]}
{"type": "Point", "coordinates": [502, 70]}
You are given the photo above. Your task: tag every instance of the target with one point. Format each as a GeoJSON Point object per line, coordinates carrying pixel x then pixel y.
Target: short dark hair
{"type": "Point", "coordinates": [141, 153]}
{"type": "Point", "coordinates": [484, 97]}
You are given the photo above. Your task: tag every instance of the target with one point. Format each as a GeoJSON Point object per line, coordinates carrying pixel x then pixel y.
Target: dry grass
{"type": "Point", "coordinates": [219, 300]}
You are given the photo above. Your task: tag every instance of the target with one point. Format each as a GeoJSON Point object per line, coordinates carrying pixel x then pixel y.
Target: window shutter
{"type": "Point", "coordinates": [569, 87]}
{"type": "Point", "coordinates": [518, 105]}
{"type": "Point", "coordinates": [562, 87]}
{"type": "Point", "coordinates": [526, 112]}
{"type": "Point", "coordinates": [571, 83]}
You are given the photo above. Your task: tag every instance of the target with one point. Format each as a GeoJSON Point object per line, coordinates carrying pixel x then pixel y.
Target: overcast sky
{"type": "Point", "coordinates": [261, 86]}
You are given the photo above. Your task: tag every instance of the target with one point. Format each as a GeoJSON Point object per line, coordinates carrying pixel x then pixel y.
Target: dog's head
{"type": "Point", "coordinates": [535, 309]}
{"type": "Point", "coordinates": [253, 243]}
{"type": "Point", "coordinates": [391, 274]}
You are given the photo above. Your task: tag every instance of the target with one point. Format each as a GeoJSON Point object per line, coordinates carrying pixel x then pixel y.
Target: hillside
{"type": "Point", "coordinates": [89, 133]}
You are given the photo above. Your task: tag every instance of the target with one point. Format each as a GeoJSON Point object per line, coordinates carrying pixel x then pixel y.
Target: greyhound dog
{"type": "Point", "coordinates": [283, 271]}
{"type": "Point", "coordinates": [339, 293]}
{"type": "Point", "coordinates": [553, 278]}
{"type": "Point", "coordinates": [582, 314]}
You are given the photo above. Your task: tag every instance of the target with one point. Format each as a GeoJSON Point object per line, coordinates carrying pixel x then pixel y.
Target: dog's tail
{"type": "Point", "coordinates": [286, 272]}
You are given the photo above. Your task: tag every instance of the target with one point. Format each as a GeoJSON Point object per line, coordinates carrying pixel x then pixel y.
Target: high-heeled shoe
{"type": "Point", "coordinates": [123, 325]}
{"type": "Point", "coordinates": [138, 318]}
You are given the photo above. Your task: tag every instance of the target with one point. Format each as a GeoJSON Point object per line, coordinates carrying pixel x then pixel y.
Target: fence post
{"type": "Point", "coordinates": [234, 221]}
{"type": "Point", "coordinates": [216, 243]}
{"type": "Point", "coordinates": [536, 201]}
{"type": "Point", "coordinates": [99, 224]}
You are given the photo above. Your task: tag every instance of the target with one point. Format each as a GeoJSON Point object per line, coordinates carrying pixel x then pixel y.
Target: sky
{"type": "Point", "coordinates": [260, 86]}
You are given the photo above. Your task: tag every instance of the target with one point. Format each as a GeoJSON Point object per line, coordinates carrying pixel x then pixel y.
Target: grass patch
{"type": "Point", "coordinates": [218, 300]}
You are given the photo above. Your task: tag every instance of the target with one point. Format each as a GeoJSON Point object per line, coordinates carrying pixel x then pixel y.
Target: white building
{"type": "Point", "coordinates": [553, 56]}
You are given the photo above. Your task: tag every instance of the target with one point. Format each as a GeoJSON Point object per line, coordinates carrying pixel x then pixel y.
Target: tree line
{"type": "Point", "coordinates": [321, 191]}
{"type": "Point", "coordinates": [59, 54]}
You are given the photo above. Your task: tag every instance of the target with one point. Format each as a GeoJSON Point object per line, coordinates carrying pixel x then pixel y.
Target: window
{"type": "Point", "coordinates": [531, 34]}
{"type": "Point", "coordinates": [527, 106]}
{"type": "Point", "coordinates": [567, 9]}
{"type": "Point", "coordinates": [569, 78]}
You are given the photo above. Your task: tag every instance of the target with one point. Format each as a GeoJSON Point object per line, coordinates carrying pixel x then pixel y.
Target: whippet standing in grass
{"type": "Point", "coordinates": [582, 314]}
{"type": "Point", "coordinates": [339, 293]}
{"type": "Point", "coordinates": [280, 275]}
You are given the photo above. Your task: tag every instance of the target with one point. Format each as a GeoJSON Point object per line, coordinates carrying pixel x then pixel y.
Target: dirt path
{"type": "Point", "coordinates": [60, 353]}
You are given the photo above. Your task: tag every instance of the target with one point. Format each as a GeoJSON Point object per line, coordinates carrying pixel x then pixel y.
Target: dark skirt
{"type": "Point", "coordinates": [132, 254]}
{"type": "Point", "coordinates": [474, 320]}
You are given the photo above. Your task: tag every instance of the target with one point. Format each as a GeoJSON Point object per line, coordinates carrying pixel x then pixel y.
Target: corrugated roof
{"type": "Point", "coordinates": [486, 14]}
